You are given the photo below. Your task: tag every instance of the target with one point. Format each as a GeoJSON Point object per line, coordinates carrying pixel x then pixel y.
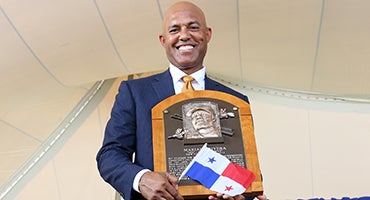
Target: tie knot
{"type": "Point", "coordinates": [187, 84]}
{"type": "Point", "coordinates": [187, 78]}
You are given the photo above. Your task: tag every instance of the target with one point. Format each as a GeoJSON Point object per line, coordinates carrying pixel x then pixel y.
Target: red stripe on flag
{"type": "Point", "coordinates": [239, 174]}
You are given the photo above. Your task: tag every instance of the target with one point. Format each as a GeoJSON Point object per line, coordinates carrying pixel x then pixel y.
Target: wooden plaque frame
{"type": "Point", "coordinates": [246, 122]}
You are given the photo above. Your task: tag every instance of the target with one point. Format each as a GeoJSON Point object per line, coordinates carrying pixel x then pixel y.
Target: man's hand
{"type": "Point", "coordinates": [237, 197]}
{"type": "Point", "coordinates": [159, 185]}
{"type": "Point", "coordinates": [225, 196]}
{"type": "Point", "coordinates": [262, 197]}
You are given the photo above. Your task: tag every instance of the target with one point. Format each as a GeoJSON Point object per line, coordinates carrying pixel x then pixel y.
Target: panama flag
{"type": "Point", "coordinates": [217, 173]}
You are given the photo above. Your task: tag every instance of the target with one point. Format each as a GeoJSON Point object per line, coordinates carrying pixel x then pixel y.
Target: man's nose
{"type": "Point", "coordinates": [184, 34]}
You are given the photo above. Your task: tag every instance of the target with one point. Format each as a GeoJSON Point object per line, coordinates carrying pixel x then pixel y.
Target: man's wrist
{"type": "Point", "coordinates": [137, 178]}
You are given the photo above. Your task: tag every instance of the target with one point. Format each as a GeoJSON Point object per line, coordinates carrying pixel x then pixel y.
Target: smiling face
{"type": "Point", "coordinates": [185, 36]}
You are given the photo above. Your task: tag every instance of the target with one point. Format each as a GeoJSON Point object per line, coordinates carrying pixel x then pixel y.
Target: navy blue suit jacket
{"type": "Point", "coordinates": [129, 130]}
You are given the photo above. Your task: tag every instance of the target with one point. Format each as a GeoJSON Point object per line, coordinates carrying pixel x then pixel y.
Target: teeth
{"type": "Point", "coordinates": [186, 47]}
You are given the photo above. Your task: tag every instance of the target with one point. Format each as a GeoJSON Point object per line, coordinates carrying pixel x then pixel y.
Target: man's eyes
{"type": "Point", "coordinates": [175, 30]}
{"type": "Point", "coordinates": [194, 27]}
{"type": "Point", "coordinates": [191, 28]}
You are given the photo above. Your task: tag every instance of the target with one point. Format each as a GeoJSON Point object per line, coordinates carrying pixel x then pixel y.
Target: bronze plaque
{"type": "Point", "coordinates": [184, 122]}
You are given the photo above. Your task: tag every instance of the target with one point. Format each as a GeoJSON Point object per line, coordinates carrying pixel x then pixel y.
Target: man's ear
{"type": "Point", "coordinates": [209, 34]}
{"type": "Point", "coordinates": [162, 39]}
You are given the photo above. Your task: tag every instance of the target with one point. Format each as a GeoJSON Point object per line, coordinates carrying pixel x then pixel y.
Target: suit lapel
{"type": "Point", "coordinates": [210, 84]}
{"type": "Point", "coordinates": [163, 85]}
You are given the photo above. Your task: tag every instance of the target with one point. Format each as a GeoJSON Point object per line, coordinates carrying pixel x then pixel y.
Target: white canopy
{"type": "Point", "coordinates": [53, 52]}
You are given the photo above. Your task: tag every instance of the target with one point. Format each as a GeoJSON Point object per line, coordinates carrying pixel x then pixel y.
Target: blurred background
{"type": "Point", "coordinates": [303, 64]}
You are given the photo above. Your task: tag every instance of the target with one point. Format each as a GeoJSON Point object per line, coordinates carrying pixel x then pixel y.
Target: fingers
{"type": "Point", "coordinates": [155, 185]}
{"type": "Point", "coordinates": [173, 180]}
{"type": "Point", "coordinates": [239, 197]}
{"type": "Point", "coordinates": [171, 188]}
{"type": "Point", "coordinates": [219, 196]}
{"type": "Point", "coordinates": [262, 197]}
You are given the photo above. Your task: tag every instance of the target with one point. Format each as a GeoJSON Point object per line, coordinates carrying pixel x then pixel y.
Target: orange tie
{"type": "Point", "coordinates": [187, 84]}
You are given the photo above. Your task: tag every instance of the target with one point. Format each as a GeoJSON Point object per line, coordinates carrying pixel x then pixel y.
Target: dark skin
{"type": "Point", "coordinates": [159, 185]}
{"type": "Point", "coordinates": [185, 39]}
{"type": "Point", "coordinates": [185, 36]}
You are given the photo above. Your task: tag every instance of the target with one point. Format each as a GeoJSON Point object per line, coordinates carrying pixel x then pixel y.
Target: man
{"type": "Point", "coordinates": [185, 37]}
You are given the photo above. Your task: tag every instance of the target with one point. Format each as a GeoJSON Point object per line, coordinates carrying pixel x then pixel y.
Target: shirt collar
{"type": "Point", "coordinates": [177, 74]}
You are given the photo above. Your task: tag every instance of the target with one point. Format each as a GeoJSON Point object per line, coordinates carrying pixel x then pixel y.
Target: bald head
{"type": "Point", "coordinates": [183, 6]}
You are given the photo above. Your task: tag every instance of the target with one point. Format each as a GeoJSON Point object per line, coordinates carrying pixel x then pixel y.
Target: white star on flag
{"type": "Point", "coordinates": [217, 173]}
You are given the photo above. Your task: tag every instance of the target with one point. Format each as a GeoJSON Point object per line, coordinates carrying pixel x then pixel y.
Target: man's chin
{"type": "Point", "coordinates": [187, 65]}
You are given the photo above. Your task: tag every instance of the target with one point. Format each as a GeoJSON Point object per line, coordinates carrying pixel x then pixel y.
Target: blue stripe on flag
{"type": "Point", "coordinates": [203, 174]}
